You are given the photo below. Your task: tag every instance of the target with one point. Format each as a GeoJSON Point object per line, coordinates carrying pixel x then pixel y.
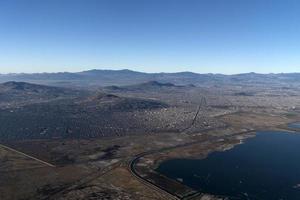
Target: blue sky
{"type": "Point", "coordinates": [217, 36]}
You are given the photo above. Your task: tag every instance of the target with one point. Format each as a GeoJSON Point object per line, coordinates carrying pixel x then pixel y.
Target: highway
{"type": "Point", "coordinates": [26, 155]}
{"type": "Point", "coordinates": [156, 187]}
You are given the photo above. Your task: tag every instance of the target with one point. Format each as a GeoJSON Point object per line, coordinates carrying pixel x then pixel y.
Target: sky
{"type": "Point", "coordinates": [203, 36]}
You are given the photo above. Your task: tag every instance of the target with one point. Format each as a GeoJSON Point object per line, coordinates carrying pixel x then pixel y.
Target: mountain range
{"type": "Point", "coordinates": [97, 77]}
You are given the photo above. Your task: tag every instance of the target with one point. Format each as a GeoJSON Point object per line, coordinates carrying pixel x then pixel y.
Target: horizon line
{"type": "Point", "coordinates": [159, 72]}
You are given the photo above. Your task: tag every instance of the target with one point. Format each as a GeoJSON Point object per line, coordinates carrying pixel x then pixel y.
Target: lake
{"type": "Point", "coordinates": [295, 125]}
{"type": "Point", "coordinates": [264, 167]}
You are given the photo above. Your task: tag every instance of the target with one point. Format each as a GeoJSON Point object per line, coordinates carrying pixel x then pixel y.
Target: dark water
{"type": "Point", "coordinates": [264, 167]}
{"type": "Point", "coordinates": [295, 125]}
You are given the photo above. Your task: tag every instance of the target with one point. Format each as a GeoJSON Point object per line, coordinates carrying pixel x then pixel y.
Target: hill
{"type": "Point", "coordinates": [21, 93]}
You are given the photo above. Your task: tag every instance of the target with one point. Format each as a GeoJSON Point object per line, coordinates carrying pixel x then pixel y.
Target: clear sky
{"type": "Point", "coordinates": [217, 36]}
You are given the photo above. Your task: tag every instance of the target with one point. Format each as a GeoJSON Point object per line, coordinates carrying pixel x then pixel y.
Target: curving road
{"type": "Point", "coordinates": [157, 187]}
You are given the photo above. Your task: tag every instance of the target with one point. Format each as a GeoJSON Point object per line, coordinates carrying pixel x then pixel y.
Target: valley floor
{"type": "Point", "coordinates": [100, 168]}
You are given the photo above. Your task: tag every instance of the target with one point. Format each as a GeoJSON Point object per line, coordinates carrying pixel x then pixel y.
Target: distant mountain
{"type": "Point", "coordinates": [21, 93]}
{"type": "Point", "coordinates": [147, 86]}
{"type": "Point", "coordinates": [28, 87]}
{"type": "Point", "coordinates": [110, 102]}
{"type": "Point", "coordinates": [96, 78]}
{"type": "Point", "coordinates": [81, 79]}
{"type": "Point", "coordinates": [156, 84]}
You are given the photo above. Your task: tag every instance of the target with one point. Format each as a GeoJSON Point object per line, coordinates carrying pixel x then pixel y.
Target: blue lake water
{"type": "Point", "coordinates": [295, 125]}
{"type": "Point", "coordinates": [264, 167]}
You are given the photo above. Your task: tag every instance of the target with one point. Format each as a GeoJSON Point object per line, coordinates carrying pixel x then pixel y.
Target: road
{"type": "Point", "coordinates": [147, 182]}
{"type": "Point", "coordinates": [155, 186]}
{"type": "Point", "coordinates": [26, 155]}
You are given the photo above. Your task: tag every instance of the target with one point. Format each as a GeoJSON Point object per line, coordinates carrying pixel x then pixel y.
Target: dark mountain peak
{"type": "Point", "coordinates": [108, 72]}
{"type": "Point", "coordinates": [187, 74]}
{"type": "Point", "coordinates": [113, 87]}
{"type": "Point", "coordinates": [107, 96]}
{"type": "Point", "coordinates": [156, 83]}
{"type": "Point", "coordinates": [142, 86]}
{"type": "Point", "coordinates": [13, 83]}
{"type": "Point", "coordinates": [18, 85]}
{"type": "Point", "coordinates": [111, 102]}
{"type": "Point", "coordinates": [25, 88]}
{"type": "Point", "coordinates": [254, 74]}
{"type": "Point", "coordinates": [191, 85]}
{"type": "Point", "coordinates": [102, 97]}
